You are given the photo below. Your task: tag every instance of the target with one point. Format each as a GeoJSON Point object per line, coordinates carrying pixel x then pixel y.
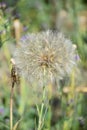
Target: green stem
{"type": "Point", "coordinates": [40, 124]}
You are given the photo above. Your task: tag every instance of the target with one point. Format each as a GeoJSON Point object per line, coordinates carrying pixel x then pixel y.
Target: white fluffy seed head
{"type": "Point", "coordinates": [45, 55]}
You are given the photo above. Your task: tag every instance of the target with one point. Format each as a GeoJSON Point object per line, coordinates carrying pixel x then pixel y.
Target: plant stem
{"type": "Point", "coordinates": [40, 124]}
{"type": "Point", "coordinates": [11, 106]}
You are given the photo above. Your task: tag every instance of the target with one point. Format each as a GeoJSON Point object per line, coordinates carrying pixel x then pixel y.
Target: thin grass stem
{"type": "Point", "coordinates": [11, 106]}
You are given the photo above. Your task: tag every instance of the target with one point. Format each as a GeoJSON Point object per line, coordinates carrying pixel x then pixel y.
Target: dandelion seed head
{"type": "Point", "coordinates": [45, 55]}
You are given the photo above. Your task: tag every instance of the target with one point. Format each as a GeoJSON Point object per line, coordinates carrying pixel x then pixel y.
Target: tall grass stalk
{"type": "Point", "coordinates": [13, 80]}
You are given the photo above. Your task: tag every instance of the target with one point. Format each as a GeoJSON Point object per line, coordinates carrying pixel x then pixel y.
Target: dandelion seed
{"type": "Point", "coordinates": [45, 55]}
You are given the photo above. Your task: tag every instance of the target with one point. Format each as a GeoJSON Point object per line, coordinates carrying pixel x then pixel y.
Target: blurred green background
{"type": "Point", "coordinates": [67, 106]}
